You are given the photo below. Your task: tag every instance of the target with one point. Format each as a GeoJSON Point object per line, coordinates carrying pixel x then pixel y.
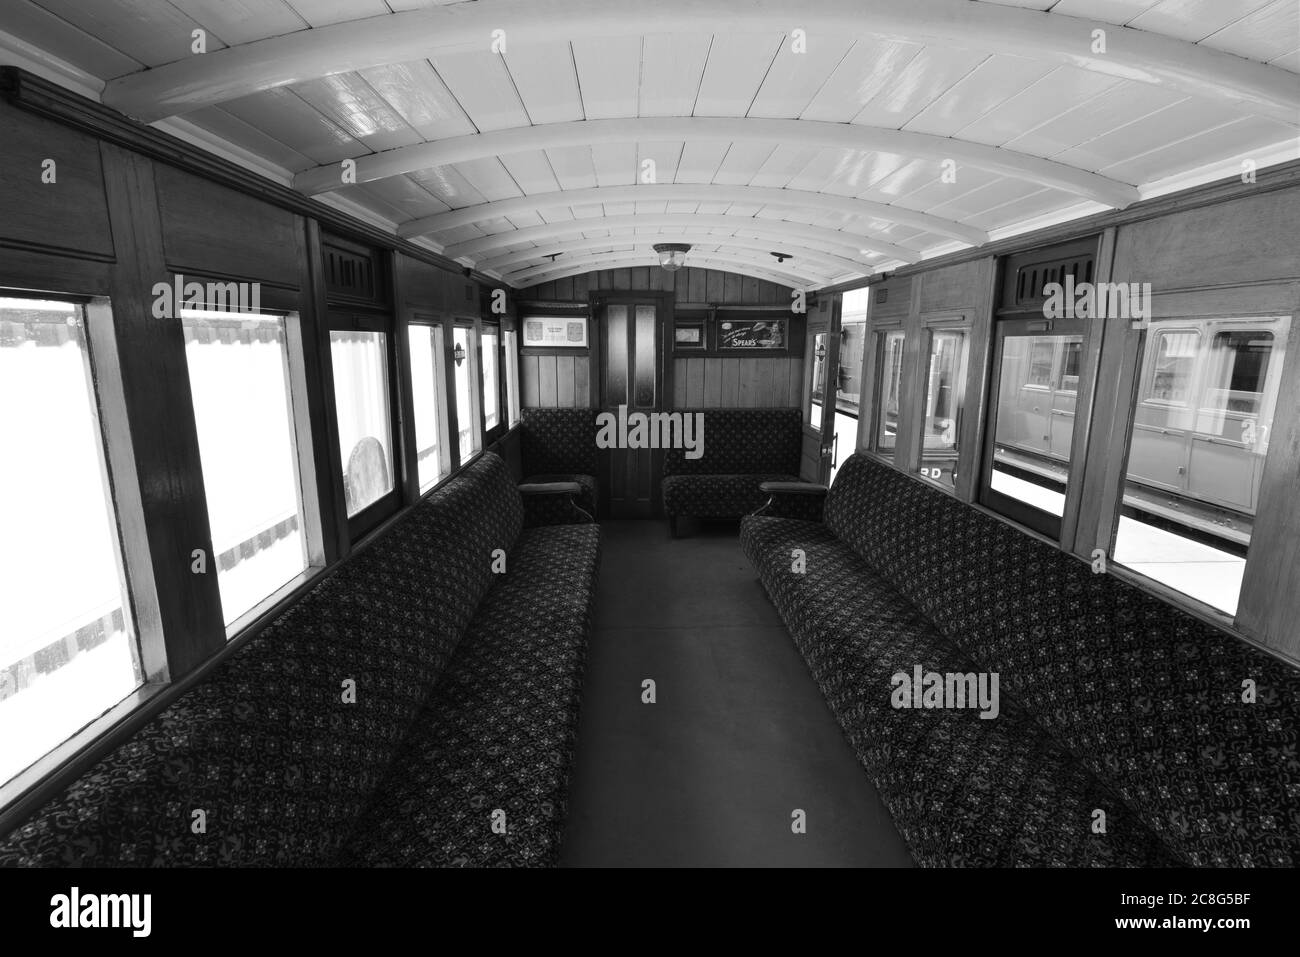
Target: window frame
{"type": "Point", "coordinates": [340, 318]}
{"type": "Point", "coordinates": [470, 323]}
{"type": "Point", "coordinates": [879, 334]}
{"type": "Point", "coordinates": [491, 328]}
{"type": "Point", "coordinates": [443, 396]}
{"type": "Point", "coordinates": [955, 321]}
{"type": "Point", "coordinates": [1058, 528]}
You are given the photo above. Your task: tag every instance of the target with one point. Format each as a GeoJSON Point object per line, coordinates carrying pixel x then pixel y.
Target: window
{"type": "Point", "coordinates": [467, 408]}
{"type": "Point", "coordinates": [890, 351]}
{"type": "Point", "coordinates": [1199, 439]}
{"type": "Point", "coordinates": [945, 382]}
{"type": "Point", "coordinates": [243, 411]}
{"type": "Point", "coordinates": [818, 394]}
{"type": "Point", "coordinates": [1038, 376]}
{"type": "Point", "coordinates": [433, 458]}
{"type": "Point", "coordinates": [68, 649]}
{"type": "Point", "coordinates": [1173, 359]}
{"type": "Point", "coordinates": [491, 387]}
{"type": "Point", "coordinates": [361, 406]}
{"type": "Point", "coordinates": [512, 377]}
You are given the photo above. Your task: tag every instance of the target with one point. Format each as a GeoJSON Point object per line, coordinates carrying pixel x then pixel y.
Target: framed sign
{"type": "Point", "coordinates": [767, 334]}
{"type": "Point", "coordinates": [688, 335]}
{"type": "Point", "coordinates": [555, 332]}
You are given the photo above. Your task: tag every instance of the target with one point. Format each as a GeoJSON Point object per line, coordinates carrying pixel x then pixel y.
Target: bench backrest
{"type": "Point", "coordinates": [266, 747]}
{"type": "Point", "coordinates": [559, 441]}
{"type": "Point", "coordinates": [743, 442]}
{"type": "Point", "coordinates": [1146, 696]}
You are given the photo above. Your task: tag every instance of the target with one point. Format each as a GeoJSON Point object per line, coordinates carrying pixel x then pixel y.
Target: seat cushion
{"type": "Point", "coordinates": [716, 496]}
{"type": "Point", "coordinates": [740, 441]}
{"type": "Point", "coordinates": [499, 729]}
{"type": "Point", "coordinates": [265, 746]}
{"type": "Point", "coordinates": [1143, 694]}
{"type": "Point", "coordinates": [558, 441]}
{"type": "Point", "coordinates": [585, 499]}
{"type": "Point", "coordinates": [963, 790]}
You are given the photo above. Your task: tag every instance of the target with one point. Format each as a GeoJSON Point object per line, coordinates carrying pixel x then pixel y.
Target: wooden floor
{"type": "Point", "coordinates": [738, 739]}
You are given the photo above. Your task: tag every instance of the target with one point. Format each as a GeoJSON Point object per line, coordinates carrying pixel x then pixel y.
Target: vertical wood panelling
{"type": "Point", "coordinates": [582, 382]}
{"type": "Point", "coordinates": [730, 383]}
{"type": "Point", "coordinates": [564, 381]}
{"type": "Point", "coordinates": [713, 383]}
{"type": "Point", "coordinates": [548, 390]}
{"type": "Point", "coordinates": [528, 380]}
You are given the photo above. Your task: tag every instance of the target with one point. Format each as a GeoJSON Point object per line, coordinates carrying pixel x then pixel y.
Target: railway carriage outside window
{"type": "Point", "coordinates": [360, 363]}
{"type": "Point", "coordinates": [431, 453]}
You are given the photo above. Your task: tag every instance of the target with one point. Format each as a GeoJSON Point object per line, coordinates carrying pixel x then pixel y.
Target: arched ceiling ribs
{"type": "Point", "coordinates": [811, 133]}
{"type": "Point", "coordinates": [744, 267]}
{"type": "Point", "coordinates": [691, 193]}
{"type": "Point", "coordinates": [799, 255]}
{"type": "Point", "coordinates": [203, 80]}
{"type": "Point", "coordinates": [778, 230]}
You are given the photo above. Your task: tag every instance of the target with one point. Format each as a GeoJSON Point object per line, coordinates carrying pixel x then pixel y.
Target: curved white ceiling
{"type": "Point", "coordinates": [863, 132]}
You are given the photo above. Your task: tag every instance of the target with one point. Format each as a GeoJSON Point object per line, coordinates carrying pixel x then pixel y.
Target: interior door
{"type": "Point", "coordinates": [631, 383]}
{"type": "Point", "coordinates": [831, 452]}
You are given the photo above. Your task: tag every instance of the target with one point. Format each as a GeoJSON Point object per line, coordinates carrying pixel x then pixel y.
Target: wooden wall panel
{"type": "Point", "coordinates": [69, 214]}
{"type": "Point", "coordinates": [751, 382]}
{"type": "Point", "coordinates": [1250, 240]}
{"type": "Point", "coordinates": [211, 230]}
{"type": "Point", "coordinates": [555, 381]}
{"type": "Point", "coordinates": [958, 286]}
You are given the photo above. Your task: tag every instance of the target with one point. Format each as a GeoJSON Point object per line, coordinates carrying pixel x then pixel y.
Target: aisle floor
{"type": "Point", "coordinates": [739, 736]}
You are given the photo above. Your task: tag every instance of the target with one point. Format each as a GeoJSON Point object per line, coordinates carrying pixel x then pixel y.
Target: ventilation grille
{"type": "Point", "coordinates": [882, 296]}
{"type": "Point", "coordinates": [1033, 278]}
{"type": "Point", "coordinates": [349, 273]}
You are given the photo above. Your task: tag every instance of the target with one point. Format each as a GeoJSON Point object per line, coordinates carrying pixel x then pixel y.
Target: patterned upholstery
{"type": "Point", "coordinates": [963, 791]}
{"type": "Point", "coordinates": [1144, 697]}
{"type": "Point", "coordinates": [559, 445]}
{"type": "Point", "coordinates": [742, 441]}
{"type": "Point", "coordinates": [265, 745]}
{"type": "Point", "coordinates": [716, 496]}
{"type": "Point", "coordinates": [499, 732]}
{"type": "Point", "coordinates": [742, 447]}
{"type": "Point", "coordinates": [585, 499]}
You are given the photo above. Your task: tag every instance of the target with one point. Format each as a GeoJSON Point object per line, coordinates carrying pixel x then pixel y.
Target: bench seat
{"type": "Point", "coordinates": [499, 730]}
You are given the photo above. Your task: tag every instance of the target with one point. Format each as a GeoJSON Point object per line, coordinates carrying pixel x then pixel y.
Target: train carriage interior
{"type": "Point", "coordinates": [691, 434]}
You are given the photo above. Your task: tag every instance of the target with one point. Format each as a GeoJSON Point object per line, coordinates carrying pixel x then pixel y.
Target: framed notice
{"type": "Point", "coordinates": [688, 335]}
{"type": "Point", "coordinates": [767, 334]}
{"type": "Point", "coordinates": [555, 332]}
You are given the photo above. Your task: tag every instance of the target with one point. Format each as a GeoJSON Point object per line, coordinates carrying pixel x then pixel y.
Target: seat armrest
{"type": "Point", "coordinates": [550, 488]}
{"type": "Point", "coordinates": [802, 500]}
{"type": "Point", "coordinates": [553, 503]}
{"type": "Point", "coordinates": [793, 488]}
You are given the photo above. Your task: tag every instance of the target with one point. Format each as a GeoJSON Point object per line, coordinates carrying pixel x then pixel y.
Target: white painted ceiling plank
{"type": "Point", "coordinates": [418, 94]}
{"type": "Point", "coordinates": [547, 81]}
{"type": "Point", "coordinates": [795, 77]}
{"type": "Point", "coordinates": [483, 86]}
{"type": "Point", "coordinates": [349, 101]}
{"type": "Point", "coordinates": [66, 41]}
{"type": "Point", "coordinates": [144, 30]}
{"type": "Point", "coordinates": [926, 77]}
{"type": "Point", "coordinates": [985, 88]}
{"type": "Point", "coordinates": [609, 76]}
{"type": "Point", "coordinates": [672, 66]}
{"type": "Point", "coordinates": [283, 114]}
{"type": "Point", "coordinates": [735, 70]}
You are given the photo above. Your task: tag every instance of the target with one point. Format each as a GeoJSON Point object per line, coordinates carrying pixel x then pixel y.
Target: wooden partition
{"type": "Point", "coordinates": [552, 379]}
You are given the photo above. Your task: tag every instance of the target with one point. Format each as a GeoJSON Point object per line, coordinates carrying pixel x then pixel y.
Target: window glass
{"type": "Point", "coordinates": [432, 462]}
{"type": "Point", "coordinates": [512, 377]}
{"type": "Point", "coordinates": [68, 648]}
{"type": "Point", "coordinates": [1037, 394]}
{"type": "Point", "coordinates": [360, 363]}
{"type": "Point", "coordinates": [890, 345]}
{"type": "Point", "coordinates": [491, 388]}
{"type": "Point", "coordinates": [848, 382]}
{"type": "Point", "coordinates": [239, 381]}
{"type": "Point", "coordinates": [818, 380]}
{"type": "Point", "coordinates": [1199, 439]}
{"type": "Point", "coordinates": [469, 440]}
{"type": "Point", "coordinates": [945, 382]}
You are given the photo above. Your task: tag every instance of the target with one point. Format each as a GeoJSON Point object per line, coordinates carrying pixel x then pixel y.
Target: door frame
{"type": "Point", "coordinates": [665, 305]}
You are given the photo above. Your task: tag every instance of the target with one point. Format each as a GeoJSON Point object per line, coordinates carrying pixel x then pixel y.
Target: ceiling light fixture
{"type": "Point", "coordinates": [781, 257]}
{"type": "Point", "coordinates": [672, 256]}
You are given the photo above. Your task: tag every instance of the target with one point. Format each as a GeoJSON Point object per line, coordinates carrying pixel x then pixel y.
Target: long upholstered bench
{"type": "Point", "coordinates": [456, 749]}
{"type": "Point", "coordinates": [1111, 700]}
{"type": "Point", "coordinates": [742, 449]}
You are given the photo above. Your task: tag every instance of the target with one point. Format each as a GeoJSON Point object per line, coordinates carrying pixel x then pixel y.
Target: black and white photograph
{"type": "Point", "coordinates": [596, 438]}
